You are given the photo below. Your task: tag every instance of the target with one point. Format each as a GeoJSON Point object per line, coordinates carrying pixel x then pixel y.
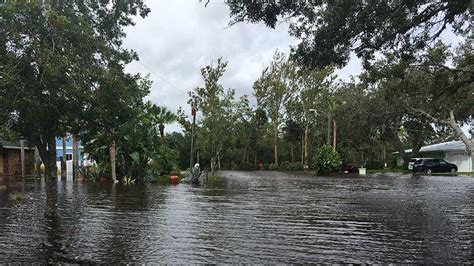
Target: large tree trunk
{"type": "Point", "coordinates": [47, 151]}
{"type": "Point", "coordinates": [468, 142]}
{"type": "Point", "coordinates": [112, 153]}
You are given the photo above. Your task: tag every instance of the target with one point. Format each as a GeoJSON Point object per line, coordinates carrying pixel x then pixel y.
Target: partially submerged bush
{"type": "Point", "coordinates": [273, 166]}
{"type": "Point", "coordinates": [16, 197]}
{"type": "Point", "coordinates": [326, 160]}
{"type": "Point", "coordinates": [93, 173]}
{"type": "Point", "coordinates": [245, 166]}
{"type": "Point", "coordinates": [297, 166]}
{"type": "Point", "coordinates": [285, 165]}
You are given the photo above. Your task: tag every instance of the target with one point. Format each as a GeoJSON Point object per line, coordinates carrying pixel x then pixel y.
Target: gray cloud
{"type": "Point", "coordinates": [180, 37]}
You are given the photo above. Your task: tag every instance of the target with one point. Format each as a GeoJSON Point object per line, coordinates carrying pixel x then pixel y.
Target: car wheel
{"type": "Point", "coordinates": [453, 170]}
{"type": "Point", "coordinates": [428, 171]}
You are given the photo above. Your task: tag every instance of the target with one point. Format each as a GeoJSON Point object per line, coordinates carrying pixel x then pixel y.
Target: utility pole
{"type": "Point", "coordinates": [193, 113]}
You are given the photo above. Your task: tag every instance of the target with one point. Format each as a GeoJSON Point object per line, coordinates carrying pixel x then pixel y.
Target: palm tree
{"type": "Point", "coordinates": [162, 116]}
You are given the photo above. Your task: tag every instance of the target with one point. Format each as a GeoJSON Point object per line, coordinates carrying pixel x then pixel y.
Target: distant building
{"type": "Point", "coordinates": [10, 158]}
{"type": "Point", "coordinates": [82, 157]}
{"type": "Point", "coordinates": [451, 151]}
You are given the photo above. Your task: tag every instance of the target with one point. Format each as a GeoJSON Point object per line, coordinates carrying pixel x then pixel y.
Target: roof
{"type": "Point", "coordinates": [15, 144]}
{"type": "Point", "coordinates": [456, 145]}
{"type": "Point", "coordinates": [445, 146]}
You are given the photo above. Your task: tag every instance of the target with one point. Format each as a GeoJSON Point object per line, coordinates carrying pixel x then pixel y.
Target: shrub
{"type": "Point", "coordinates": [94, 172]}
{"type": "Point", "coordinates": [297, 166]}
{"type": "Point", "coordinates": [285, 165]}
{"type": "Point", "coordinates": [245, 166]}
{"type": "Point", "coordinates": [326, 160]}
{"type": "Point", "coordinates": [273, 167]}
{"type": "Point", "coordinates": [234, 166]}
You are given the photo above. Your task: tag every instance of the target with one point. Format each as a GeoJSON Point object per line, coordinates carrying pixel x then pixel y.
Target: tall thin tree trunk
{"type": "Point", "coordinates": [22, 158]}
{"type": "Point", "coordinates": [291, 153]}
{"type": "Point", "coordinates": [305, 161]}
{"type": "Point", "coordinates": [112, 153]}
{"type": "Point", "coordinates": [334, 134]}
{"type": "Point", "coordinates": [328, 140]}
{"type": "Point", "coordinates": [64, 160]}
{"type": "Point", "coordinates": [75, 149]}
{"type": "Point", "coordinates": [275, 142]}
{"type": "Point", "coordinates": [302, 149]}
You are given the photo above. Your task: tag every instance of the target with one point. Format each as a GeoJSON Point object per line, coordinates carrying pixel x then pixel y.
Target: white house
{"type": "Point", "coordinates": [451, 151]}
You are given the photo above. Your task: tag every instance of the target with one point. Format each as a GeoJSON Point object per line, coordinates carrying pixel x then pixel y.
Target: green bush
{"type": "Point", "coordinates": [94, 172]}
{"type": "Point", "coordinates": [297, 166]}
{"type": "Point", "coordinates": [245, 166]}
{"type": "Point", "coordinates": [326, 160]}
{"type": "Point", "coordinates": [234, 166]}
{"type": "Point", "coordinates": [285, 165]}
{"type": "Point", "coordinates": [273, 166]}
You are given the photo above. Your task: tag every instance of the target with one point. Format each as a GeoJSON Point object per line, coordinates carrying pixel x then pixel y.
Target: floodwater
{"type": "Point", "coordinates": [245, 217]}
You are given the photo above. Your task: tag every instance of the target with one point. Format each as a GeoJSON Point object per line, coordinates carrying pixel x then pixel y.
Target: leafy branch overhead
{"type": "Point", "coordinates": [330, 30]}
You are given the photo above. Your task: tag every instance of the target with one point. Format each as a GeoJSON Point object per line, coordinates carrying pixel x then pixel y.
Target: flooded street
{"type": "Point", "coordinates": [245, 217]}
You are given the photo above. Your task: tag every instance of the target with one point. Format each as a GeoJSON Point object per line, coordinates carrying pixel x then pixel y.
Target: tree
{"type": "Point", "coordinates": [429, 87]}
{"type": "Point", "coordinates": [272, 91]}
{"type": "Point", "coordinates": [53, 53]}
{"type": "Point", "coordinates": [330, 30]}
{"type": "Point", "coordinates": [218, 114]}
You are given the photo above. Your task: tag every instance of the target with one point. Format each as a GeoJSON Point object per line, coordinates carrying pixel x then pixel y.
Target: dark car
{"type": "Point", "coordinates": [349, 168]}
{"type": "Point", "coordinates": [434, 165]}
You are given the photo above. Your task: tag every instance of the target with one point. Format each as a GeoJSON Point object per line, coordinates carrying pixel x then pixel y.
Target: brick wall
{"type": "Point", "coordinates": [12, 162]}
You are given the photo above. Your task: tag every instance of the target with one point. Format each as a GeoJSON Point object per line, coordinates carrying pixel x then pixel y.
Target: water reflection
{"type": "Point", "coordinates": [245, 217]}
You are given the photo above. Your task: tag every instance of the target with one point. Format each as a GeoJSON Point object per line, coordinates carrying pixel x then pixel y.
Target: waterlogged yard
{"type": "Point", "coordinates": [245, 217]}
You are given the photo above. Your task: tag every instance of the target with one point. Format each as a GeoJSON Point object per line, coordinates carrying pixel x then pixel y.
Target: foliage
{"type": "Point", "coordinates": [195, 174]}
{"type": "Point", "coordinates": [17, 197]}
{"type": "Point", "coordinates": [296, 166]}
{"type": "Point", "coordinates": [94, 172]}
{"type": "Point", "coordinates": [273, 167]}
{"type": "Point", "coordinates": [245, 166]}
{"type": "Point", "coordinates": [52, 55]}
{"type": "Point", "coordinates": [326, 160]}
{"type": "Point", "coordinates": [285, 165]}
{"type": "Point", "coordinates": [330, 30]}
{"type": "Point", "coordinates": [272, 91]}
{"type": "Point", "coordinates": [127, 180]}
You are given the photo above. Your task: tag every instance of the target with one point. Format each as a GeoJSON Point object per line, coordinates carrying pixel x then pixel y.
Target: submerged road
{"type": "Point", "coordinates": [245, 217]}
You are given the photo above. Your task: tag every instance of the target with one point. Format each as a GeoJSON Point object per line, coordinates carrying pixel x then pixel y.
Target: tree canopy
{"type": "Point", "coordinates": [330, 30]}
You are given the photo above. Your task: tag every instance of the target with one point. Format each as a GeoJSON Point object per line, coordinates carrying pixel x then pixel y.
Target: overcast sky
{"type": "Point", "coordinates": [178, 38]}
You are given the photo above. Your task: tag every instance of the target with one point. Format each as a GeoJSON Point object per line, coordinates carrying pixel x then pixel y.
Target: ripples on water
{"type": "Point", "coordinates": [246, 217]}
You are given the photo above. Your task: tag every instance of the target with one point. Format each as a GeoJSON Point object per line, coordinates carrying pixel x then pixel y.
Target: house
{"type": "Point", "coordinates": [451, 151]}
{"type": "Point", "coordinates": [81, 159]}
{"type": "Point", "coordinates": [11, 161]}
